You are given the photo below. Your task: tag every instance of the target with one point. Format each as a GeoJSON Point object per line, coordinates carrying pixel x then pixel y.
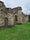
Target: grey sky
{"type": "Point", "coordinates": [25, 4]}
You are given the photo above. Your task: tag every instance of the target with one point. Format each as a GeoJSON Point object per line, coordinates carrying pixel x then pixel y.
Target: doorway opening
{"type": "Point", "coordinates": [29, 18]}
{"type": "Point", "coordinates": [6, 21]}
{"type": "Point", "coordinates": [15, 17]}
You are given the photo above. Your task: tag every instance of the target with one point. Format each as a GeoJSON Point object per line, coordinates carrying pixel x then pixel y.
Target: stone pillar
{"type": "Point", "coordinates": [10, 19]}
{"type": "Point", "coordinates": [19, 16]}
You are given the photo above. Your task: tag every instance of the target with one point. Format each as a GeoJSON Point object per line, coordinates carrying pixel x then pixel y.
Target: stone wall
{"type": "Point", "coordinates": [19, 16]}
{"type": "Point", "coordinates": [10, 17]}
{"type": "Point", "coordinates": [2, 14]}
{"type": "Point", "coordinates": [18, 12]}
{"type": "Point", "coordinates": [24, 18]}
{"type": "Point", "coordinates": [2, 23]}
{"type": "Point", "coordinates": [7, 15]}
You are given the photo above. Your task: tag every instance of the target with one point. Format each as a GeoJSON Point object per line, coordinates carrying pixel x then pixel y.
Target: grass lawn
{"type": "Point", "coordinates": [18, 32]}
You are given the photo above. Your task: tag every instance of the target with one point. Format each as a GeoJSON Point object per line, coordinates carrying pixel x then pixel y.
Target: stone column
{"type": "Point", "coordinates": [10, 19]}
{"type": "Point", "coordinates": [19, 16]}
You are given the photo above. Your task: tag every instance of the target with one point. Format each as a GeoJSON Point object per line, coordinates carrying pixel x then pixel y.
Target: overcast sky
{"type": "Point", "coordinates": [25, 4]}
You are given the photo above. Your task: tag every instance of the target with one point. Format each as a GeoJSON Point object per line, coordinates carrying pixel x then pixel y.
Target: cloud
{"type": "Point", "coordinates": [25, 4]}
{"type": "Point", "coordinates": [13, 3]}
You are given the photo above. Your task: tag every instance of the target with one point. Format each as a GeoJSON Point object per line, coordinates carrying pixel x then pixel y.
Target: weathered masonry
{"type": "Point", "coordinates": [10, 17]}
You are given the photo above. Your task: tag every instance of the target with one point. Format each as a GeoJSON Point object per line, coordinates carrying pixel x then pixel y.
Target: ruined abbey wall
{"type": "Point", "coordinates": [10, 16]}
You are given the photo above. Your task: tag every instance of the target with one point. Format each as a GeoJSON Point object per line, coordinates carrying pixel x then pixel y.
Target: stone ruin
{"type": "Point", "coordinates": [10, 17]}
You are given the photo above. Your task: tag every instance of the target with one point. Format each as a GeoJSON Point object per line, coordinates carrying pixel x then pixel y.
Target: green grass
{"type": "Point", "coordinates": [18, 32]}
